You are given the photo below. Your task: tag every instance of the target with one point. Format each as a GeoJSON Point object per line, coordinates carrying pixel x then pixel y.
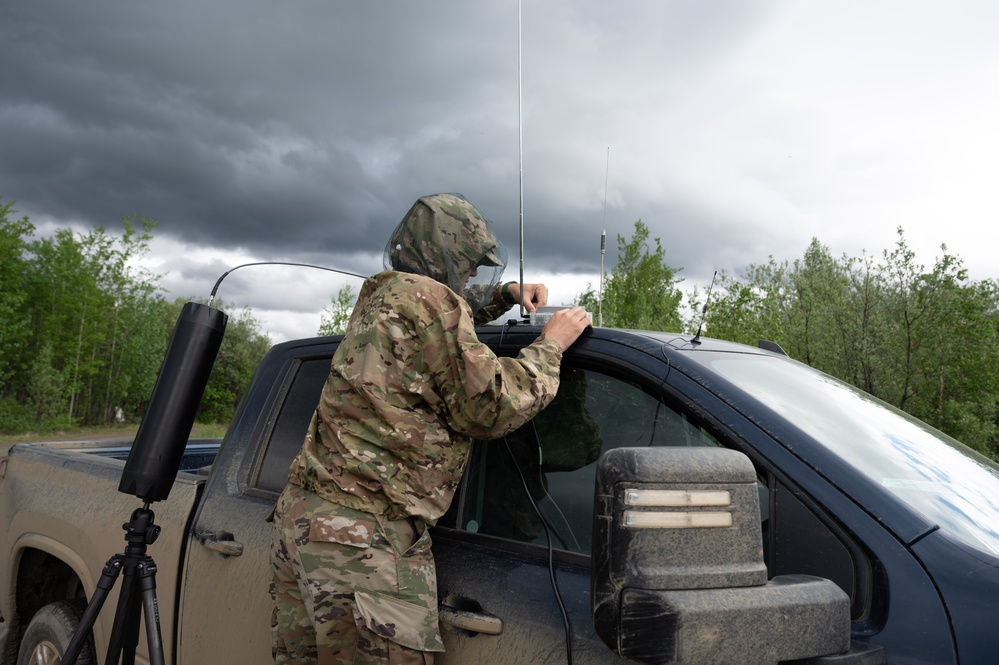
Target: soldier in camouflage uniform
{"type": "Point", "coordinates": [409, 386]}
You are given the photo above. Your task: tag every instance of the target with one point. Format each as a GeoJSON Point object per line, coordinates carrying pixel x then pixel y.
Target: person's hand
{"type": "Point", "coordinates": [535, 295]}
{"type": "Point", "coordinates": [566, 325]}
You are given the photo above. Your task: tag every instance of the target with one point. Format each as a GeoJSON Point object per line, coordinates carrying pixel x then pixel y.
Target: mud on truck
{"type": "Point", "coordinates": [683, 500]}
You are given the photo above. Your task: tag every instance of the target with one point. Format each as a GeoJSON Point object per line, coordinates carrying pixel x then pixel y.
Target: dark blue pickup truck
{"type": "Point", "coordinates": [613, 528]}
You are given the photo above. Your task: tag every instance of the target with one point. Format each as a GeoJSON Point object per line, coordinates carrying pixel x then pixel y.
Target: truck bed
{"type": "Point", "coordinates": [69, 492]}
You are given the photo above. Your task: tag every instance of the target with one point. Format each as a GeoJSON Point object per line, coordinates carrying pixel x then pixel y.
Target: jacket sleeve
{"type": "Point", "coordinates": [482, 395]}
{"type": "Point", "coordinates": [495, 308]}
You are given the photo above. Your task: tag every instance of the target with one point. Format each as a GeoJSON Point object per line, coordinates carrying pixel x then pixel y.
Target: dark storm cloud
{"type": "Point", "coordinates": [304, 130]}
{"type": "Point", "coordinates": [260, 125]}
{"type": "Point", "coordinates": [300, 129]}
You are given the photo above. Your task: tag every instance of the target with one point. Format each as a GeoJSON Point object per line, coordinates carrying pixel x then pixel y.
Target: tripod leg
{"type": "Point", "coordinates": [108, 576]}
{"type": "Point", "coordinates": [125, 630]}
{"type": "Point", "coordinates": [151, 611]}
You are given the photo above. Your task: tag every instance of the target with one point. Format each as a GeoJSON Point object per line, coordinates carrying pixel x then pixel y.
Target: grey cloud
{"type": "Point", "coordinates": [303, 130]}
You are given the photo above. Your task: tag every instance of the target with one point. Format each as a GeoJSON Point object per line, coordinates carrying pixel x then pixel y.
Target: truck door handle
{"type": "Point", "coordinates": [222, 542]}
{"type": "Point", "coordinates": [473, 622]}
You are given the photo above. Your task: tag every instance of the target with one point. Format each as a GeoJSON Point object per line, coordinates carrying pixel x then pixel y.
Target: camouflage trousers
{"type": "Point", "coordinates": [350, 588]}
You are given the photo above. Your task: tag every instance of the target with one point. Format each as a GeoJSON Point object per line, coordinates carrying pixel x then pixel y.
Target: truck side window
{"type": "Point", "coordinates": [806, 544]}
{"type": "Point", "coordinates": [552, 459]}
{"type": "Point", "coordinates": [291, 423]}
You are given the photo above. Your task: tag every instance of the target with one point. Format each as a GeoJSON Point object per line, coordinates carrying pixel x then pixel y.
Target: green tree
{"type": "Point", "coordinates": [150, 322]}
{"type": "Point", "coordinates": [729, 310]}
{"type": "Point", "coordinates": [819, 286]}
{"type": "Point", "coordinates": [746, 310]}
{"type": "Point", "coordinates": [67, 315]}
{"type": "Point", "coordinates": [923, 340]}
{"type": "Point", "coordinates": [45, 392]}
{"type": "Point", "coordinates": [76, 334]}
{"type": "Point", "coordinates": [910, 296]}
{"type": "Point", "coordinates": [333, 320]}
{"type": "Point", "coordinates": [641, 290]}
{"type": "Point", "coordinates": [942, 356]}
{"type": "Point", "coordinates": [84, 329]}
{"type": "Point", "coordinates": [243, 347]}
{"type": "Point", "coordinates": [15, 317]}
{"type": "Point", "coordinates": [590, 300]}
{"type": "Point", "coordinates": [130, 321]}
{"type": "Point", "coordinates": [793, 304]}
{"type": "Point", "coordinates": [960, 364]}
{"type": "Point", "coordinates": [89, 299]}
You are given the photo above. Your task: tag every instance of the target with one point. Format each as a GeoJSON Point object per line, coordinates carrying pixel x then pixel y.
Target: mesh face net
{"type": "Point", "coordinates": [445, 238]}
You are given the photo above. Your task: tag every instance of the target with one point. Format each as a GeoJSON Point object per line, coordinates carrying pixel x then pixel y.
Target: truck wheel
{"type": "Point", "coordinates": [50, 632]}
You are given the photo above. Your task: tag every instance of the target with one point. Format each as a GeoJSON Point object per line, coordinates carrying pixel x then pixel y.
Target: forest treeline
{"type": "Point", "coordinates": [924, 339]}
{"type": "Point", "coordinates": [84, 329]}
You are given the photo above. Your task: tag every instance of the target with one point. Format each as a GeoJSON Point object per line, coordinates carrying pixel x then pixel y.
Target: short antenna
{"type": "Point", "coordinates": [704, 310]}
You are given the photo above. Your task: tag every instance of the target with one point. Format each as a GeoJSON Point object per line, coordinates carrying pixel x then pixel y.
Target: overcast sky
{"type": "Point", "coordinates": [303, 130]}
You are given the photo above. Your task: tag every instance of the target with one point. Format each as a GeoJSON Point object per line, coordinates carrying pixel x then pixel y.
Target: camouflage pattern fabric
{"type": "Point", "coordinates": [409, 385]}
{"type": "Point", "coordinates": [444, 237]}
{"type": "Point", "coordinates": [350, 588]}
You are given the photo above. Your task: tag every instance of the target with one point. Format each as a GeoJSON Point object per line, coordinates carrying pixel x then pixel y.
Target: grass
{"type": "Point", "coordinates": [123, 432]}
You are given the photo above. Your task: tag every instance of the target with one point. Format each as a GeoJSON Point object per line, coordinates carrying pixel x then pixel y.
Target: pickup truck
{"type": "Point", "coordinates": [887, 528]}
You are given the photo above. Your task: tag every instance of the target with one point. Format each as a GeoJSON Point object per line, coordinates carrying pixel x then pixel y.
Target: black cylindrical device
{"type": "Point", "coordinates": [159, 444]}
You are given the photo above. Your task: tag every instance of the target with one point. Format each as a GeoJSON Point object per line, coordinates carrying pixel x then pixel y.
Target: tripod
{"type": "Point", "coordinates": [139, 583]}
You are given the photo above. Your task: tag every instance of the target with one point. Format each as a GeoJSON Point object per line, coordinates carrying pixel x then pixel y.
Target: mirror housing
{"type": "Point", "coordinates": [678, 571]}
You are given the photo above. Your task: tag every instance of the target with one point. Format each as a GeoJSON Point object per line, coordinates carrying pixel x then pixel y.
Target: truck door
{"type": "Point", "coordinates": [226, 607]}
{"type": "Point", "coordinates": [522, 524]}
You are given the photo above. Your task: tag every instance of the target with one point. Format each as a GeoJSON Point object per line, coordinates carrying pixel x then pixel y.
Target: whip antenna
{"type": "Point", "coordinates": [520, 141]}
{"type": "Point", "coordinates": [603, 246]}
{"type": "Point", "coordinates": [704, 310]}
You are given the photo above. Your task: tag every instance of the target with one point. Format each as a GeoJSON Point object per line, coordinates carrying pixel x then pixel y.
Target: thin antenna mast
{"type": "Point", "coordinates": [603, 247]}
{"type": "Point", "coordinates": [520, 140]}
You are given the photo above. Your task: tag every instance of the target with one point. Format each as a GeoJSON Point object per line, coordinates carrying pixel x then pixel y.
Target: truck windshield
{"type": "Point", "coordinates": [936, 475]}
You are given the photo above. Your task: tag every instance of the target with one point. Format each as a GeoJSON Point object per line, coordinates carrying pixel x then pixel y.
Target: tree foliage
{"type": "Point", "coordinates": [83, 329]}
{"type": "Point", "coordinates": [243, 347]}
{"type": "Point", "coordinates": [922, 339]}
{"type": "Point", "coordinates": [641, 291]}
{"type": "Point", "coordinates": [333, 320]}
{"type": "Point", "coordinates": [15, 316]}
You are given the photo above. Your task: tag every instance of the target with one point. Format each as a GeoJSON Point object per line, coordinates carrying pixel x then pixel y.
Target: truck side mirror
{"type": "Point", "coordinates": [678, 572]}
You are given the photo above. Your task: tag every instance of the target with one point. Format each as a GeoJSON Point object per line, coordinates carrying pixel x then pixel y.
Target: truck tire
{"type": "Point", "coordinates": [50, 632]}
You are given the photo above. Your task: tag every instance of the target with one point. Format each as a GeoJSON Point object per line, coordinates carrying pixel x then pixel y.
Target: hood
{"type": "Point", "coordinates": [445, 238]}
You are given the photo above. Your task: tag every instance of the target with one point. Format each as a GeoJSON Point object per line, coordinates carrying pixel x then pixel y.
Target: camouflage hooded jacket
{"type": "Point", "coordinates": [411, 384]}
